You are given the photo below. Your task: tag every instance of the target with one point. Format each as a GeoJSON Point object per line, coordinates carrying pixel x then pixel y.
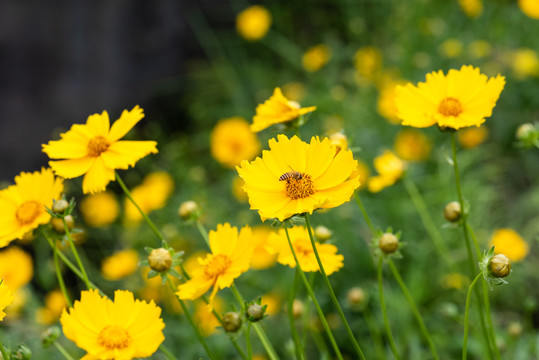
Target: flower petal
{"type": "Point", "coordinates": [127, 120]}
{"type": "Point", "coordinates": [72, 168]}
{"type": "Point", "coordinates": [98, 124]}
{"type": "Point", "coordinates": [97, 177]}
{"type": "Point", "coordinates": [122, 154]}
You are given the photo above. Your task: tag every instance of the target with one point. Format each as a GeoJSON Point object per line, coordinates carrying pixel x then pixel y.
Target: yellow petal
{"type": "Point", "coordinates": [72, 168]}
{"type": "Point", "coordinates": [122, 154]}
{"type": "Point", "coordinates": [127, 120]}
{"type": "Point", "coordinates": [98, 124]}
{"type": "Point", "coordinates": [97, 177]}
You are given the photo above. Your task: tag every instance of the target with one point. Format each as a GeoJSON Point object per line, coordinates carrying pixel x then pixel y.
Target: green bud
{"type": "Point", "coordinates": [256, 312]}
{"type": "Point", "coordinates": [388, 243]}
{"type": "Point", "coordinates": [453, 211]}
{"type": "Point", "coordinates": [60, 206]}
{"type": "Point", "coordinates": [49, 336]}
{"type": "Point", "coordinates": [160, 260]}
{"type": "Point", "coordinates": [22, 353]}
{"type": "Point", "coordinates": [499, 266]}
{"type": "Point", "coordinates": [58, 224]}
{"type": "Point", "coordinates": [231, 322]}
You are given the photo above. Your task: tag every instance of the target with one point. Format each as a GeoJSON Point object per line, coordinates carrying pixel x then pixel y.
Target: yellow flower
{"type": "Point", "coordinates": [253, 23]}
{"type": "Point", "coordinates": [454, 281]}
{"type": "Point", "coordinates": [273, 302]}
{"type": "Point", "coordinates": [55, 303]}
{"type": "Point", "coordinates": [472, 8]}
{"type": "Point", "coordinates": [22, 206]}
{"type": "Point", "coordinates": [368, 62]}
{"type": "Point", "coordinates": [262, 259]}
{"type": "Point", "coordinates": [412, 145]}
{"type": "Point", "coordinates": [529, 8]}
{"type": "Point", "coordinates": [451, 48]}
{"type": "Point", "coordinates": [479, 49]}
{"type": "Point", "coordinates": [95, 150]}
{"type": "Point", "coordinates": [276, 110]}
{"type": "Point", "coordinates": [339, 140]}
{"type": "Point", "coordinates": [204, 317]}
{"type": "Point", "coordinates": [525, 63]}
{"type": "Point", "coordinates": [237, 190]}
{"type": "Point", "coordinates": [390, 169]}
{"type": "Point", "coordinates": [119, 265]}
{"type": "Point", "coordinates": [316, 57]}
{"type": "Point", "coordinates": [299, 236]}
{"type": "Point", "coordinates": [509, 243]}
{"type": "Point", "coordinates": [463, 98]}
{"type": "Point", "coordinates": [363, 172]}
{"type": "Point", "coordinates": [233, 141]}
{"type": "Point", "coordinates": [6, 298]}
{"type": "Point", "coordinates": [231, 254]}
{"type": "Point", "coordinates": [99, 210]}
{"type": "Point", "coordinates": [386, 102]}
{"type": "Point", "coordinates": [472, 137]}
{"type": "Point", "coordinates": [151, 195]}
{"type": "Point", "coordinates": [16, 267]}
{"type": "Point", "coordinates": [295, 177]}
{"type": "Point", "coordinates": [122, 329]}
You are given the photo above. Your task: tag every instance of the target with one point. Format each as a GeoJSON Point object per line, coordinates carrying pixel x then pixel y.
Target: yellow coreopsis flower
{"type": "Point", "coordinates": [525, 63]}
{"type": "Point", "coordinates": [299, 237]}
{"type": "Point", "coordinates": [22, 206]}
{"type": "Point", "coordinates": [451, 48]}
{"type": "Point", "coordinates": [295, 177]}
{"type": "Point", "coordinates": [231, 254]}
{"type": "Point", "coordinates": [16, 267]}
{"type": "Point", "coordinates": [386, 102]}
{"type": "Point", "coordinates": [6, 298]}
{"type": "Point", "coordinates": [509, 243]}
{"type": "Point", "coordinates": [472, 8]}
{"type": "Point", "coordinates": [95, 150]}
{"type": "Point", "coordinates": [262, 258]}
{"type": "Point", "coordinates": [316, 57]}
{"type": "Point", "coordinates": [462, 98]}
{"type": "Point", "coordinates": [99, 209]}
{"type": "Point", "coordinates": [120, 264]}
{"type": "Point", "coordinates": [122, 329]}
{"type": "Point", "coordinates": [276, 110]}
{"type": "Point", "coordinates": [472, 137]}
{"type": "Point", "coordinates": [232, 141]}
{"type": "Point", "coordinates": [529, 8]}
{"type": "Point", "coordinates": [390, 169]}
{"type": "Point", "coordinates": [151, 195]}
{"type": "Point", "coordinates": [253, 23]}
{"type": "Point", "coordinates": [368, 62]}
{"type": "Point", "coordinates": [412, 145]}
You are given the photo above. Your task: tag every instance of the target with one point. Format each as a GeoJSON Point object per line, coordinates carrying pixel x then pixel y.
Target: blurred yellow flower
{"type": "Point", "coordinates": [316, 57]}
{"type": "Point", "coordinates": [412, 145]}
{"type": "Point", "coordinates": [363, 172]}
{"type": "Point", "coordinates": [232, 141]}
{"type": "Point", "coordinates": [122, 329]}
{"type": "Point", "coordinates": [462, 98]}
{"type": "Point", "coordinates": [339, 140]}
{"type": "Point", "coordinates": [273, 302]}
{"type": "Point", "coordinates": [368, 63]}
{"type": "Point", "coordinates": [479, 49]}
{"type": "Point", "coordinates": [151, 195]}
{"type": "Point", "coordinates": [262, 258]}
{"type": "Point", "coordinates": [454, 281]}
{"type": "Point", "coordinates": [6, 298]}
{"type": "Point", "coordinates": [451, 48]}
{"type": "Point", "coordinates": [386, 102]}
{"type": "Point", "coordinates": [525, 63]}
{"type": "Point", "coordinates": [120, 264]}
{"type": "Point", "coordinates": [55, 303]}
{"type": "Point", "coordinates": [472, 8]}
{"type": "Point", "coordinates": [22, 206]}
{"type": "Point", "coordinates": [204, 317]}
{"type": "Point", "coordinates": [253, 23]}
{"type": "Point", "coordinates": [472, 137]}
{"type": "Point", "coordinates": [294, 91]}
{"type": "Point", "coordinates": [95, 150]}
{"type": "Point", "coordinates": [16, 267]}
{"type": "Point", "coordinates": [231, 254]}
{"type": "Point", "coordinates": [510, 243]}
{"type": "Point", "coordinates": [529, 8]}
{"type": "Point", "coordinates": [276, 110]}
{"type": "Point", "coordinates": [295, 177]}
{"type": "Point", "coordinates": [237, 190]}
{"type": "Point", "coordinates": [390, 169]}
{"type": "Point", "coordinates": [299, 237]}
{"type": "Point", "coordinates": [99, 210]}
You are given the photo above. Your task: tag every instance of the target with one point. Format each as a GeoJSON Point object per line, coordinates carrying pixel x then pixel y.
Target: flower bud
{"type": "Point", "coordinates": [388, 243]}
{"type": "Point", "coordinates": [514, 329]}
{"type": "Point", "coordinates": [356, 296]}
{"type": "Point", "coordinates": [524, 131]}
{"type": "Point", "coordinates": [297, 308]}
{"type": "Point", "coordinates": [453, 211]}
{"type": "Point", "coordinates": [499, 266]}
{"type": "Point", "coordinates": [231, 322]}
{"type": "Point", "coordinates": [160, 260]}
{"type": "Point", "coordinates": [49, 336]}
{"type": "Point", "coordinates": [22, 353]}
{"type": "Point", "coordinates": [255, 312]}
{"type": "Point", "coordinates": [59, 206]}
{"type": "Point", "coordinates": [58, 224]}
{"type": "Point", "coordinates": [322, 233]}
{"type": "Point", "coordinates": [188, 209]}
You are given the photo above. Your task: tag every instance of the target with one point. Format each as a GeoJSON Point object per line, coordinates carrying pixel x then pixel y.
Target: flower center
{"type": "Point", "coordinates": [303, 250]}
{"type": "Point", "coordinates": [113, 337]}
{"type": "Point", "coordinates": [28, 212]}
{"type": "Point", "coordinates": [299, 188]}
{"type": "Point", "coordinates": [97, 145]}
{"type": "Point", "coordinates": [450, 107]}
{"type": "Point", "coordinates": [217, 266]}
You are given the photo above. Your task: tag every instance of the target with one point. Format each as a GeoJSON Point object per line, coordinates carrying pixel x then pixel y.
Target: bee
{"type": "Point", "coordinates": [291, 175]}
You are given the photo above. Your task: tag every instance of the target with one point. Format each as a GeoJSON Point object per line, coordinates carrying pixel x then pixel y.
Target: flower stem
{"type": "Point", "coordinates": [298, 346]}
{"type": "Point", "coordinates": [60, 278]}
{"type": "Point", "coordinates": [414, 308]}
{"type": "Point", "coordinates": [315, 302]}
{"type": "Point", "coordinates": [203, 232]}
{"type": "Point", "coordinates": [76, 254]}
{"type": "Point", "coordinates": [5, 354]}
{"type": "Point", "coordinates": [331, 292]}
{"type": "Point", "coordinates": [384, 311]}
{"type": "Point", "coordinates": [365, 214]}
{"type": "Point", "coordinates": [375, 333]}
{"type": "Point", "coordinates": [63, 351]}
{"type": "Point", "coordinates": [467, 316]}
{"type": "Point", "coordinates": [248, 341]}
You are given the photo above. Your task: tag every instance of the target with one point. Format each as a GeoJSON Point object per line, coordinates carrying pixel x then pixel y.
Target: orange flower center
{"type": "Point", "coordinates": [450, 107]}
{"type": "Point", "coordinates": [302, 250]}
{"type": "Point", "coordinates": [217, 266]}
{"type": "Point", "coordinates": [113, 337]}
{"type": "Point", "coordinates": [28, 212]}
{"type": "Point", "coordinates": [97, 145]}
{"type": "Point", "coordinates": [299, 188]}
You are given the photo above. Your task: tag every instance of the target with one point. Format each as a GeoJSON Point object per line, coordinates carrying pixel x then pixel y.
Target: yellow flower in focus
{"type": "Point", "coordinates": [412, 145]}
{"type": "Point", "coordinates": [276, 110]}
{"type": "Point", "coordinates": [451, 48]}
{"type": "Point", "coordinates": [294, 177]}
{"type": "Point", "coordinates": [122, 329]}
{"type": "Point", "coordinates": [390, 169]}
{"type": "Point", "coordinates": [204, 317]}
{"type": "Point", "coordinates": [299, 236]}
{"type": "Point", "coordinates": [316, 57]}
{"type": "Point", "coordinates": [233, 141]}
{"type": "Point", "coordinates": [472, 8]}
{"type": "Point", "coordinates": [479, 49]}
{"type": "Point", "coordinates": [16, 267]}
{"type": "Point", "coordinates": [462, 98]}
{"type": "Point", "coordinates": [262, 259]}
{"type": "Point", "coordinates": [120, 264]}
{"type": "Point", "coordinates": [530, 8]}
{"type": "Point", "coordinates": [6, 298]}
{"type": "Point", "coordinates": [386, 102]}
{"type": "Point", "coordinates": [95, 150]}
{"type": "Point", "coordinates": [151, 195]}
{"type": "Point", "coordinates": [472, 137]}
{"type": "Point", "coordinates": [509, 243]}
{"type": "Point", "coordinates": [55, 303]}
{"type": "Point", "coordinates": [525, 63]}
{"type": "Point", "coordinates": [368, 62]}
{"type": "Point", "coordinates": [99, 210]}
{"type": "Point", "coordinates": [237, 190]}
{"type": "Point", "coordinates": [231, 254]}
{"type": "Point", "coordinates": [22, 206]}
{"type": "Point", "coordinates": [253, 23]}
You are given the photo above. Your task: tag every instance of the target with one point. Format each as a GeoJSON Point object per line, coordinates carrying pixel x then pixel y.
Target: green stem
{"type": "Point", "coordinates": [384, 311]}
{"type": "Point", "coordinates": [467, 316]}
{"type": "Point", "coordinates": [5, 354]}
{"type": "Point", "coordinates": [248, 341]}
{"type": "Point", "coordinates": [298, 347]}
{"type": "Point", "coordinates": [167, 353]}
{"type": "Point", "coordinates": [60, 278]}
{"type": "Point", "coordinates": [63, 351]}
{"type": "Point", "coordinates": [76, 254]}
{"type": "Point", "coordinates": [331, 292]}
{"type": "Point", "coordinates": [365, 214]}
{"type": "Point", "coordinates": [313, 298]}
{"type": "Point", "coordinates": [375, 333]}
{"type": "Point", "coordinates": [305, 318]}
{"type": "Point", "coordinates": [414, 308]}
{"type": "Point", "coordinates": [203, 232]}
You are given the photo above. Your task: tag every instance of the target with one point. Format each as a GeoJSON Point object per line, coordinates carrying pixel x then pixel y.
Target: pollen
{"type": "Point", "coordinates": [299, 188]}
{"type": "Point", "coordinates": [450, 107]}
{"type": "Point", "coordinates": [28, 212]}
{"type": "Point", "coordinates": [113, 337]}
{"type": "Point", "coordinates": [217, 266]}
{"type": "Point", "coordinates": [97, 145]}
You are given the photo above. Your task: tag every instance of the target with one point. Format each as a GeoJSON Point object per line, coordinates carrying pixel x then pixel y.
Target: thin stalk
{"type": "Point", "coordinates": [5, 354]}
{"type": "Point", "coordinates": [365, 214]}
{"type": "Point", "coordinates": [306, 310]}
{"type": "Point", "coordinates": [384, 311]}
{"type": "Point", "coordinates": [320, 344]}
{"type": "Point", "coordinates": [76, 254]}
{"type": "Point", "coordinates": [60, 278]}
{"type": "Point", "coordinates": [167, 353]}
{"type": "Point", "coordinates": [63, 351]}
{"type": "Point", "coordinates": [248, 341]}
{"type": "Point", "coordinates": [203, 232]}
{"type": "Point", "coordinates": [467, 316]}
{"type": "Point", "coordinates": [298, 346]}
{"type": "Point", "coordinates": [315, 302]}
{"type": "Point", "coordinates": [332, 293]}
{"type": "Point", "coordinates": [375, 333]}
{"type": "Point", "coordinates": [414, 308]}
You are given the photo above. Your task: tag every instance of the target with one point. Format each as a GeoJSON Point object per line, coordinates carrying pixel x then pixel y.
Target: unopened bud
{"type": "Point", "coordinates": [160, 260]}
{"type": "Point", "coordinates": [322, 233]}
{"type": "Point", "coordinates": [297, 308]}
{"type": "Point", "coordinates": [524, 131]}
{"type": "Point", "coordinates": [188, 209]}
{"type": "Point", "coordinates": [58, 224]}
{"type": "Point", "coordinates": [453, 211]}
{"type": "Point", "coordinates": [22, 353]}
{"type": "Point", "coordinates": [255, 312]}
{"type": "Point", "coordinates": [49, 336]}
{"type": "Point", "coordinates": [355, 296]}
{"type": "Point", "coordinates": [59, 206]}
{"type": "Point", "coordinates": [231, 322]}
{"type": "Point", "coordinates": [499, 266]}
{"type": "Point", "coordinates": [388, 243]}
